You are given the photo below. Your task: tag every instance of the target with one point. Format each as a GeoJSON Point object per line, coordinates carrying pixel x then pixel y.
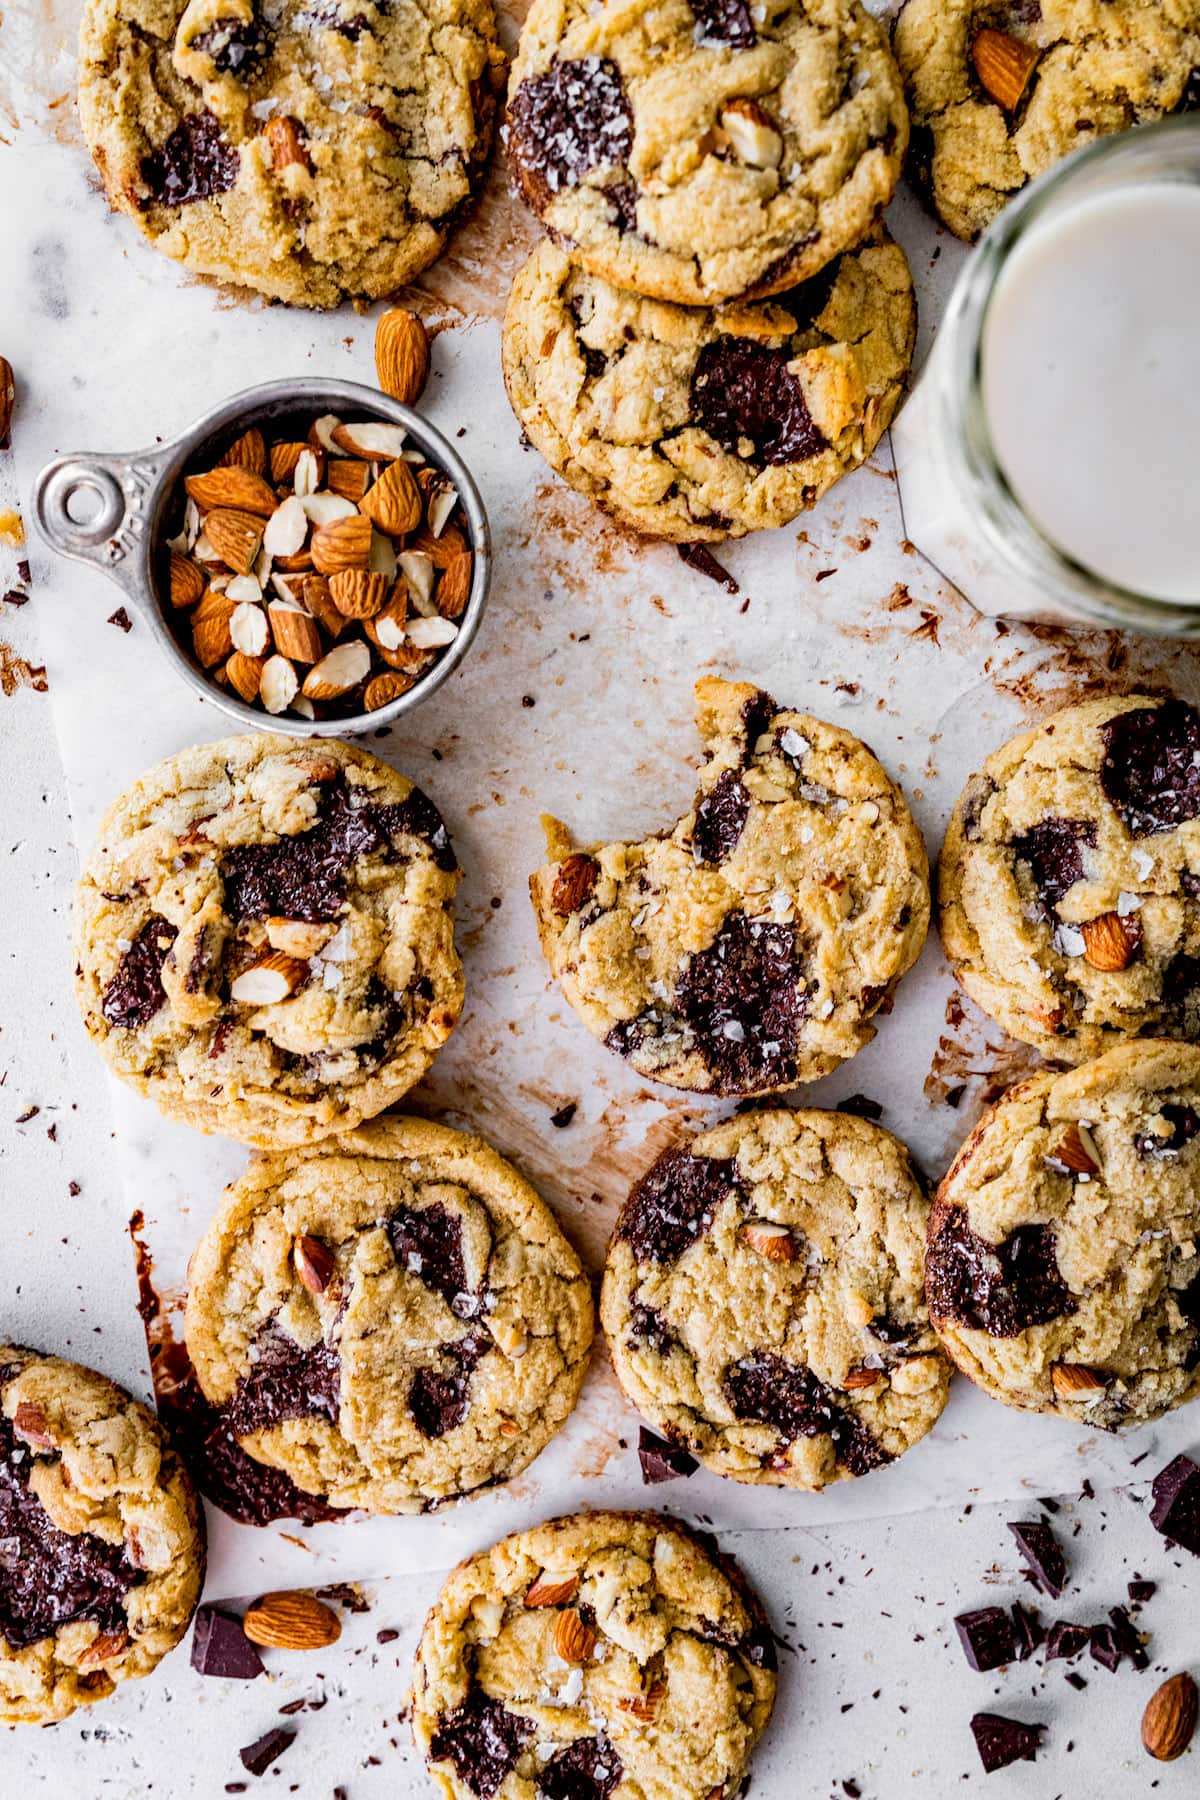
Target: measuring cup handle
{"type": "Point", "coordinates": [112, 495]}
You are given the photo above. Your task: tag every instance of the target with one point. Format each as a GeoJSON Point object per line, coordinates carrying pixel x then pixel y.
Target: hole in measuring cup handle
{"type": "Point", "coordinates": [96, 509]}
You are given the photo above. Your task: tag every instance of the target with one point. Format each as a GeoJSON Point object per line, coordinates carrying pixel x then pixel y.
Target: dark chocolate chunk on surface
{"type": "Point", "coordinates": [1176, 1508]}
{"type": "Point", "coordinates": [1044, 1561]}
{"type": "Point", "coordinates": [662, 1461]}
{"type": "Point", "coordinates": [998, 1288]}
{"type": "Point", "coordinates": [1028, 1631]}
{"type": "Point", "coordinates": [673, 1204]}
{"type": "Point", "coordinates": [1001, 1741]}
{"type": "Point", "coordinates": [1066, 1639]}
{"type": "Point", "coordinates": [196, 162]}
{"type": "Point", "coordinates": [482, 1739]}
{"type": "Point", "coordinates": [258, 1756]}
{"type": "Point", "coordinates": [221, 1647]}
{"type": "Point", "coordinates": [742, 390]}
{"type": "Point", "coordinates": [986, 1637]}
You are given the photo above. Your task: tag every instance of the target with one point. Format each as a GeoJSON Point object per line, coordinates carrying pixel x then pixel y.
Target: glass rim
{"type": "Point", "coordinates": [1004, 521]}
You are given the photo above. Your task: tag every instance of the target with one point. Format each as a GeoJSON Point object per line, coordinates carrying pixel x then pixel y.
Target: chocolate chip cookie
{"type": "Point", "coordinates": [312, 149]}
{"type": "Point", "coordinates": [393, 1319]}
{"type": "Point", "coordinates": [746, 950]}
{"type": "Point", "coordinates": [1000, 90]}
{"type": "Point", "coordinates": [694, 424]}
{"type": "Point", "coordinates": [1063, 1270]}
{"type": "Point", "coordinates": [1069, 885]}
{"type": "Point", "coordinates": [597, 1656]}
{"type": "Point", "coordinates": [264, 939]}
{"type": "Point", "coordinates": [101, 1539]}
{"type": "Point", "coordinates": [764, 1299]}
{"type": "Point", "coordinates": [705, 150]}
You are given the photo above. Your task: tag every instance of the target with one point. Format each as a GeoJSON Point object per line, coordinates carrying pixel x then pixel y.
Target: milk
{"type": "Point", "coordinates": [1048, 458]}
{"type": "Point", "coordinates": [1090, 375]}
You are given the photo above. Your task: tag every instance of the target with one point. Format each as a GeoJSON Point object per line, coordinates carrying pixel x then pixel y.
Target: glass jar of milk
{"type": "Point", "coordinates": [1048, 457]}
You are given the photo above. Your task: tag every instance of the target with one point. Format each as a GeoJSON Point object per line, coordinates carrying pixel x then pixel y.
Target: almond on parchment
{"type": "Point", "coordinates": [295, 632]}
{"type": "Point", "coordinates": [1169, 1721]}
{"type": "Point", "coordinates": [232, 487]}
{"type": "Point", "coordinates": [338, 673]}
{"type": "Point", "coordinates": [292, 1622]}
{"type": "Point", "coordinates": [267, 982]}
{"type": "Point", "coordinates": [343, 544]}
{"type": "Point", "coordinates": [1003, 64]}
{"type": "Point", "coordinates": [402, 355]}
{"type": "Point", "coordinates": [393, 503]}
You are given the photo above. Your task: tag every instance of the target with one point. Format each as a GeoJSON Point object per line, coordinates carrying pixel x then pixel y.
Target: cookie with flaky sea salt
{"type": "Point", "coordinates": [312, 149]}
{"type": "Point", "coordinates": [764, 1299]}
{"type": "Point", "coordinates": [705, 150]}
{"type": "Point", "coordinates": [101, 1539]}
{"type": "Point", "coordinates": [1063, 1269]}
{"type": "Point", "coordinates": [1000, 90]}
{"type": "Point", "coordinates": [393, 1319]}
{"type": "Point", "coordinates": [263, 937]}
{"type": "Point", "coordinates": [601, 1656]}
{"type": "Point", "coordinates": [1070, 878]}
{"type": "Point", "coordinates": [747, 949]}
{"type": "Point", "coordinates": [695, 424]}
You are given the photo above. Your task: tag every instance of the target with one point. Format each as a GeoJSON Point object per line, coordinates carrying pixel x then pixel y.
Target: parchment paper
{"type": "Point", "coordinates": [114, 347]}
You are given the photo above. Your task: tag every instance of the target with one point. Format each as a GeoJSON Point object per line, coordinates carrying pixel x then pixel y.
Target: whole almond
{"type": "Point", "coordinates": [245, 675]}
{"type": "Point", "coordinates": [295, 632]}
{"type": "Point", "coordinates": [574, 880]}
{"type": "Point", "coordinates": [574, 1639]}
{"type": "Point", "coordinates": [1169, 1721]}
{"type": "Point", "coordinates": [402, 355]}
{"type": "Point", "coordinates": [247, 452]}
{"type": "Point", "coordinates": [552, 1590]}
{"type": "Point", "coordinates": [348, 477]}
{"type": "Point", "coordinates": [8, 388]}
{"type": "Point", "coordinates": [441, 548]}
{"type": "Point", "coordinates": [186, 581]}
{"type": "Point", "coordinates": [232, 487]}
{"type": "Point", "coordinates": [1109, 942]}
{"type": "Point", "coordinates": [236, 537]}
{"type": "Point", "coordinates": [212, 640]}
{"type": "Point", "coordinates": [454, 588]}
{"type": "Point", "coordinates": [381, 690]}
{"type": "Point", "coordinates": [775, 1242]}
{"type": "Point", "coordinates": [29, 1423]}
{"type": "Point", "coordinates": [314, 591]}
{"type": "Point", "coordinates": [292, 1621]}
{"type": "Point", "coordinates": [315, 1263]}
{"type": "Point", "coordinates": [287, 146]}
{"type": "Point", "coordinates": [342, 544]}
{"type": "Point", "coordinates": [358, 593]}
{"type": "Point", "coordinates": [1070, 1380]}
{"type": "Point", "coordinates": [1003, 64]}
{"type": "Point", "coordinates": [394, 501]}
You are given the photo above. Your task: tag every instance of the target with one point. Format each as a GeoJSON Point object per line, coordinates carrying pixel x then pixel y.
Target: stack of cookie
{"type": "Point", "coordinates": [689, 160]}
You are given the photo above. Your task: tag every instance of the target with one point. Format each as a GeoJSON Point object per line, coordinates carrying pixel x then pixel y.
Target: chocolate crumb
{"type": "Point", "coordinates": [1001, 1741]}
{"type": "Point", "coordinates": [662, 1461]}
{"type": "Point", "coordinates": [121, 619]}
{"type": "Point", "coordinates": [563, 1117]}
{"type": "Point", "coordinates": [701, 558]}
{"type": "Point", "coordinates": [1046, 1565]}
{"type": "Point", "coordinates": [258, 1756]}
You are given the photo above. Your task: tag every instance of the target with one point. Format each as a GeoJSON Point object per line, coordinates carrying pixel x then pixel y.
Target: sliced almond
{"type": "Point", "coordinates": [753, 134]}
{"type": "Point", "coordinates": [1003, 64]}
{"type": "Point", "coordinates": [350, 478]}
{"type": "Point", "coordinates": [551, 1589]}
{"type": "Point", "coordinates": [186, 581]}
{"type": "Point", "coordinates": [292, 1622]}
{"type": "Point", "coordinates": [768, 1239]}
{"type": "Point", "coordinates": [295, 632]}
{"type": "Point", "coordinates": [381, 559]}
{"type": "Point", "coordinates": [322, 432]}
{"type": "Point", "coordinates": [343, 544]}
{"type": "Point", "coordinates": [287, 145]}
{"type": "Point", "coordinates": [232, 488]}
{"type": "Point", "coordinates": [314, 591]}
{"type": "Point", "coordinates": [249, 451]}
{"type": "Point", "coordinates": [370, 439]}
{"type": "Point", "coordinates": [454, 588]}
{"type": "Point", "coordinates": [431, 634]}
{"type": "Point", "coordinates": [104, 1647]}
{"type": "Point", "coordinates": [243, 587]}
{"type": "Point", "coordinates": [418, 571]}
{"type": "Point", "coordinates": [280, 684]}
{"type": "Point", "coordinates": [244, 675]}
{"type": "Point", "coordinates": [381, 690]}
{"type": "Point", "coordinates": [402, 355]}
{"type": "Point", "coordinates": [357, 593]}
{"type": "Point", "coordinates": [1074, 1151]}
{"type": "Point", "coordinates": [860, 1378]}
{"type": "Point", "coordinates": [29, 1423]}
{"type": "Point", "coordinates": [1109, 942]}
{"type": "Point", "coordinates": [644, 1707]}
{"type": "Point", "coordinates": [323, 507]}
{"type": "Point", "coordinates": [268, 982]}
{"type": "Point", "coordinates": [440, 502]}
{"type": "Point", "coordinates": [309, 471]}
{"type": "Point", "coordinates": [284, 460]}
{"type": "Point", "coordinates": [248, 628]}
{"type": "Point", "coordinates": [315, 1263]}
{"type": "Point", "coordinates": [574, 1639]}
{"type": "Point", "coordinates": [1070, 1380]}
{"type": "Point", "coordinates": [439, 546]}
{"type": "Point", "coordinates": [338, 673]}
{"type": "Point", "coordinates": [287, 528]}
{"type": "Point", "coordinates": [235, 537]}
{"type": "Point", "coordinates": [300, 937]}
{"type": "Point", "coordinates": [393, 503]}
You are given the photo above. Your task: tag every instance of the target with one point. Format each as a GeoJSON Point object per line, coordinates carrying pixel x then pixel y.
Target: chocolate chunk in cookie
{"type": "Point", "coordinates": [196, 162]}
{"type": "Point", "coordinates": [567, 122]}
{"type": "Point", "coordinates": [1151, 767]}
{"type": "Point", "coordinates": [748, 398]}
{"type": "Point", "coordinates": [428, 1243]}
{"type": "Point", "coordinates": [585, 1769]}
{"type": "Point", "coordinates": [720, 819]}
{"type": "Point", "coordinates": [1052, 850]}
{"type": "Point", "coordinates": [1182, 1125]}
{"type": "Point", "coordinates": [135, 992]}
{"type": "Point", "coordinates": [743, 1001]}
{"type": "Point", "coordinates": [1001, 1288]}
{"type": "Point", "coordinates": [439, 1398]}
{"type": "Point", "coordinates": [673, 1205]}
{"type": "Point", "coordinates": [483, 1740]}
{"type": "Point", "coordinates": [772, 1391]}
{"type": "Point", "coordinates": [727, 23]}
{"type": "Point", "coordinates": [286, 1381]}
